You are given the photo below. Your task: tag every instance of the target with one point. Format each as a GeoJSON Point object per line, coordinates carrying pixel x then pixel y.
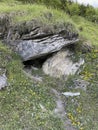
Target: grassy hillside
{"type": "Point", "coordinates": [22, 102]}
{"type": "Point", "coordinates": [29, 105]}
{"type": "Point", "coordinates": [88, 30]}
{"type": "Point", "coordinates": [25, 12]}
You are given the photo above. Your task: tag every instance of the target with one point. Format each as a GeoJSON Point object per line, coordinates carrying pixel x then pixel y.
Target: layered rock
{"type": "Point", "coordinates": [35, 29]}
{"type": "Point", "coordinates": [33, 39]}
{"type": "Point", "coordinates": [33, 49]}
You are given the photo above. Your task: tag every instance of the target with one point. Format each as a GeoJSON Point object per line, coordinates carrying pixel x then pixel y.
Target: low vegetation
{"type": "Point", "coordinates": [70, 7]}
{"type": "Point", "coordinates": [22, 102]}
{"type": "Point", "coordinates": [83, 112]}
{"type": "Point", "coordinates": [87, 29]}
{"type": "Point", "coordinates": [26, 104]}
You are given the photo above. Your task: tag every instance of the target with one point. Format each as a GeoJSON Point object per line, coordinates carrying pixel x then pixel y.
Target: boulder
{"type": "Point", "coordinates": [61, 64]}
{"type": "Point", "coordinates": [32, 49]}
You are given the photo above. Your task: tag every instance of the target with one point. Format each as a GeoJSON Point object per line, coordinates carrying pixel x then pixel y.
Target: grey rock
{"type": "Point", "coordinates": [43, 108]}
{"type": "Point", "coordinates": [87, 46]}
{"type": "Point", "coordinates": [71, 94]}
{"type": "Point", "coordinates": [34, 39]}
{"type": "Point", "coordinates": [80, 83]}
{"type": "Point", "coordinates": [61, 64]}
{"type": "Point", "coordinates": [3, 81]}
{"type": "Point", "coordinates": [4, 25]}
{"type": "Point", "coordinates": [35, 29]}
{"type": "Point", "coordinates": [84, 46]}
{"type": "Point", "coordinates": [32, 49]}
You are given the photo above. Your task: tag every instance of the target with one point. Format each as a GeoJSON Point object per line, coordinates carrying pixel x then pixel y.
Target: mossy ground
{"type": "Point", "coordinates": [21, 102]}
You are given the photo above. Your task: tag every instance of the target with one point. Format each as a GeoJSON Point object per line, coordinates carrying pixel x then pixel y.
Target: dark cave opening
{"type": "Point", "coordinates": [38, 62]}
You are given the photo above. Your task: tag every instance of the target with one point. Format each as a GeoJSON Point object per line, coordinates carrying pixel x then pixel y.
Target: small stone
{"type": "Point", "coordinates": [42, 107]}
{"type": "Point", "coordinates": [81, 84]}
{"type": "Point", "coordinates": [71, 94]}
{"type": "Point", "coordinates": [3, 81]}
{"type": "Point", "coordinates": [32, 114]}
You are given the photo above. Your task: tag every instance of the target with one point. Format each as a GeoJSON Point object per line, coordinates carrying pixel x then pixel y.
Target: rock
{"type": "Point", "coordinates": [42, 108]}
{"type": "Point", "coordinates": [79, 83]}
{"type": "Point", "coordinates": [34, 39]}
{"type": "Point", "coordinates": [35, 29]}
{"type": "Point", "coordinates": [86, 46]}
{"type": "Point", "coordinates": [71, 94]}
{"type": "Point", "coordinates": [3, 81]}
{"type": "Point", "coordinates": [32, 49]}
{"type": "Point", "coordinates": [61, 64]}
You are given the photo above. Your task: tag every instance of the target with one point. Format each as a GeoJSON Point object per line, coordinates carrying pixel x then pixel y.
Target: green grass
{"type": "Point", "coordinates": [25, 12]}
{"type": "Point", "coordinates": [83, 110]}
{"type": "Point", "coordinates": [30, 12]}
{"type": "Point", "coordinates": [89, 29]}
{"type": "Point", "coordinates": [20, 102]}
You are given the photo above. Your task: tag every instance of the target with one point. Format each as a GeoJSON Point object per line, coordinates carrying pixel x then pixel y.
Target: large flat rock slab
{"type": "Point", "coordinates": [32, 49]}
{"type": "Point", "coordinates": [34, 39]}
